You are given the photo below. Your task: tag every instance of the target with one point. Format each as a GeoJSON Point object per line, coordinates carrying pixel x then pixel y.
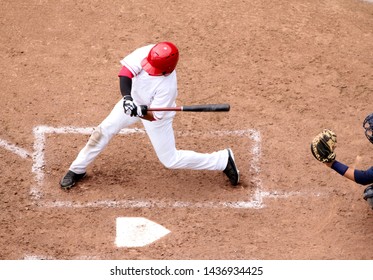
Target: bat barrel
{"type": "Point", "coordinates": [207, 108]}
{"type": "Point", "coordinates": [196, 108]}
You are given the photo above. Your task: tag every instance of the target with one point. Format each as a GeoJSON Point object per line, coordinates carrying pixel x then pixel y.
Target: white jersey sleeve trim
{"type": "Point", "coordinates": [133, 60]}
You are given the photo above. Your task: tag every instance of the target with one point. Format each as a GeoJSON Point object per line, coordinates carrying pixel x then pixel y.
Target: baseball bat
{"type": "Point", "coordinates": [196, 108]}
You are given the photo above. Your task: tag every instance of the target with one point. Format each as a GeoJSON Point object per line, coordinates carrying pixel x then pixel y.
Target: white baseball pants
{"type": "Point", "coordinates": [162, 137]}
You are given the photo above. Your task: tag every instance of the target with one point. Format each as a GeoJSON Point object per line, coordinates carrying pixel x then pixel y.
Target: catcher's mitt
{"type": "Point", "coordinates": [323, 146]}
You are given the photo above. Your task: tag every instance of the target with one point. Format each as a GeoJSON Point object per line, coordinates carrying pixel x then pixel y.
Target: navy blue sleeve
{"type": "Point", "coordinates": [364, 177]}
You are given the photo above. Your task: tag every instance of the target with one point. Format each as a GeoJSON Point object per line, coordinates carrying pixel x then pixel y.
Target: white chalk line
{"type": "Point", "coordinates": [14, 149]}
{"type": "Point", "coordinates": [256, 201]}
{"type": "Point", "coordinates": [42, 257]}
{"type": "Point", "coordinates": [39, 147]}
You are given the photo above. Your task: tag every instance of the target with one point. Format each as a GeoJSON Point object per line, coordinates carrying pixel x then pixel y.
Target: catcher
{"type": "Point", "coordinates": [323, 149]}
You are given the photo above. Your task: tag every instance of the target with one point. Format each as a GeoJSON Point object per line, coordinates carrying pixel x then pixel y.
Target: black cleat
{"type": "Point", "coordinates": [231, 170]}
{"type": "Point", "coordinates": [70, 179]}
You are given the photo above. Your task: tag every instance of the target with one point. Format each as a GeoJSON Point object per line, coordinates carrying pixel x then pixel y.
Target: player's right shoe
{"type": "Point", "coordinates": [70, 179]}
{"type": "Point", "coordinates": [231, 170]}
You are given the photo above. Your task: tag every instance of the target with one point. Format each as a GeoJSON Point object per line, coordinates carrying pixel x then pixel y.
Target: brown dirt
{"type": "Point", "coordinates": [288, 69]}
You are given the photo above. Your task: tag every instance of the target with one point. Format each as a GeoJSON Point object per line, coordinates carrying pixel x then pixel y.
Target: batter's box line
{"type": "Point", "coordinates": [40, 133]}
{"type": "Point", "coordinates": [255, 203]}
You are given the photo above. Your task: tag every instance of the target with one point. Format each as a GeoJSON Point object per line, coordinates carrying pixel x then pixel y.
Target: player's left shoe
{"type": "Point", "coordinates": [70, 179]}
{"type": "Point", "coordinates": [231, 170]}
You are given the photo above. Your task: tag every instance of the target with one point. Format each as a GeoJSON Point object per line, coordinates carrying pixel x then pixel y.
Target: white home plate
{"type": "Point", "coordinates": [137, 232]}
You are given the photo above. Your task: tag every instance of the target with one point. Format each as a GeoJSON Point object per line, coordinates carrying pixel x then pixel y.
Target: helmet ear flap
{"type": "Point", "coordinates": [368, 126]}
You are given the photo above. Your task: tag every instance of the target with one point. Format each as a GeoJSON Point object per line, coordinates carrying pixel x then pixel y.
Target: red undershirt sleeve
{"type": "Point", "coordinates": [124, 72]}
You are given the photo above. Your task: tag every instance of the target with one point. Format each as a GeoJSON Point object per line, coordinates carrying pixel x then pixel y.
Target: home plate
{"type": "Point", "coordinates": [137, 232]}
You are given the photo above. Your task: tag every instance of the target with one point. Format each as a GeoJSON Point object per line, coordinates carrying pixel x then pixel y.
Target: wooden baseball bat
{"type": "Point", "coordinates": [196, 108]}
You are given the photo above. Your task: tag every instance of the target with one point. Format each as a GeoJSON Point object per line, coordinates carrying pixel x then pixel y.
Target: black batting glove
{"type": "Point", "coordinates": [142, 110]}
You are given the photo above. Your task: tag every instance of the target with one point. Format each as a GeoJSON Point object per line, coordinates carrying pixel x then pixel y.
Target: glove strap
{"type": "Point", "coordinates": [340, 168]}
{"type": "Point", "coordinates": [127, 98]}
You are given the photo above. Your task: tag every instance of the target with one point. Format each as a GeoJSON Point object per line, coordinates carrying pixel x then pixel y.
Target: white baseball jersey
{"type": "Point", "coordinates": [153, 91]}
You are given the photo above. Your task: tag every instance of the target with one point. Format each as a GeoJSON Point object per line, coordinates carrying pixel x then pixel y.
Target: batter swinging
{"type": "Point", "coordinates": [148, 78]}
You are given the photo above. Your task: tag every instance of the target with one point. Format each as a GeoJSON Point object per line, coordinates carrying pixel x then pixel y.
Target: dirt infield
{"type": "Point", "coordinates": [287, 68]}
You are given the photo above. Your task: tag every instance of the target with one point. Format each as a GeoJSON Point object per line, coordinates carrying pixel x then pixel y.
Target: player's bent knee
{"type": "Point", "coordinates": [95, 137]}
{"type": "Point", "coordinates": [169, 164]}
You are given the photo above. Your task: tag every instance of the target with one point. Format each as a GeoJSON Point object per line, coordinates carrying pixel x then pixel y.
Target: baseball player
{"type": "Point", "coordinates": [148, 78]}
{"type": "Point", "coordinates": [323, 147]}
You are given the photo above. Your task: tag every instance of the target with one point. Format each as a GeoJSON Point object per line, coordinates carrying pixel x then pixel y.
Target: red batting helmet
{"type": "Point", "coordinates": [161, 60]}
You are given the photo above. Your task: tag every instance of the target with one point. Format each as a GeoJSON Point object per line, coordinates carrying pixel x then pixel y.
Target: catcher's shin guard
{"type": "Point", "coordinates": [368, 195]}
